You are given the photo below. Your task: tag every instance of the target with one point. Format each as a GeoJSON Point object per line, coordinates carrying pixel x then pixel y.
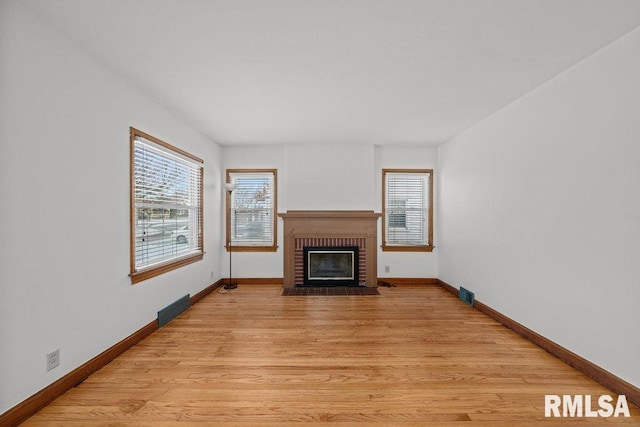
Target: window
{"type": "Point", "coordinates": [166, 207]}
{"type": "Point", "coordinates": [407, 206]}
{"type": "Point", "coordinates": [251, 210]}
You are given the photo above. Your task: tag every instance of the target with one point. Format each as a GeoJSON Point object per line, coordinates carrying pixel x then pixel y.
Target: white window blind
{"type": "Point", "coordinates": [252, 209]}
{"type": "Point", "coordinates": [167, 199]}
{"type": "Point", "coordinates": [407, 210]}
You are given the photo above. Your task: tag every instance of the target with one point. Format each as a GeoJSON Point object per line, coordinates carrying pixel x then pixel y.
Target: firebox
{"type": "Point", "coordinates": [330, 266]}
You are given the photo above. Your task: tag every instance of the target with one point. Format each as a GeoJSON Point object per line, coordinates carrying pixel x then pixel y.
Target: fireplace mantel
{"type": "Point", "coordinates": [326, 224]}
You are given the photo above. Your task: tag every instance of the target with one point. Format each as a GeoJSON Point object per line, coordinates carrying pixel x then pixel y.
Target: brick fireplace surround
{"type": "Point", "coordinates": [330, 228]}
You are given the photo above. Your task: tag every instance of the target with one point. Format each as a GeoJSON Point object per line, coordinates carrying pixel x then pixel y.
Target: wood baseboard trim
{"type": "Point", "coordinates": [206, 291]}
{"type": "Point", "coordinates": [255, 281]}
{"type": "Point", "coordinates": [30, 406]}
{"type": "Point", "coordinates": [604, 377]}
{"type": "Point", "coordinates": [448, 287]}
{"type": "Point", "coordinates": [400, 281]}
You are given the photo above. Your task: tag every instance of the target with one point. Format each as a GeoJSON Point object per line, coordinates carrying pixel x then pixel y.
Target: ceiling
{"type": "Point", "coordinates": [338, 71]}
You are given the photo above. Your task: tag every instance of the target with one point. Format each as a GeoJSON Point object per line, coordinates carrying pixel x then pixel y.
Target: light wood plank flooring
{"type": "Point", "coordinates": [411, 356]}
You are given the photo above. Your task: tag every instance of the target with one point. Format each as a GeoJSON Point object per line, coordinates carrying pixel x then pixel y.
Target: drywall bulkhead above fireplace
{"type": "Point", "coordinates": [330, 228]}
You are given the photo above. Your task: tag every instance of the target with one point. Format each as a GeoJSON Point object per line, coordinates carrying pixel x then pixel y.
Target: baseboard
{"type": "Point", "coordinates": [255, 281]}
{"type": "Point", "coordinates": [448, 287]}
{"type": "Point", "coordinates": [409, 280]}
{"type": "Point", "coordinates": [604, 377]}
{"type": "Point", "coordinates": [35, 403]}
{"type": "Point", "coordinates": [206, 291]}
{"type": "Point", "coordinates": [280, 281]}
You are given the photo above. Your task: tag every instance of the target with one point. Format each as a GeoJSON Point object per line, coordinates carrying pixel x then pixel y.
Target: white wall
{"type": "Point", "coordinates": [333, 177]}
{"type": "Point", "coordinates": [407, 264]}
{"type": "Point", "coordinates": [540, 209]}
{"type": "Point", "coordinates": [64, 206]}
{"type": "Point", "coordinates": [330, 177]}
{"type": "Point", "coordinates": [256, 264]}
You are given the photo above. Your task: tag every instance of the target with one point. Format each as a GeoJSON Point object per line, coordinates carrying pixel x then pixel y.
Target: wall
{"type": "Point", "coordinates": [407, 264]}
{"type": "Point", "coordinates": [331, 177]}
{"type": "Point", "coordinates": [64, 206]}
{"type": "Point", "coordinates": [256, 264]}
{"type": "Point", "coordinates": [540, 209]}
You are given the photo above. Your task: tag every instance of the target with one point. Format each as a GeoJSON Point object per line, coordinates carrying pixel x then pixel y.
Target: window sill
{"type": "Point", "coordinates": [252, 248]}
{"type": "Point", "coordinates": [141, 275]}
{"type": "Point", "coordinates": [399, 248]}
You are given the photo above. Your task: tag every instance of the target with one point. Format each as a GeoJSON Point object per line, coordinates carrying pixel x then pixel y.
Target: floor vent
{"type": "Point", "coordinates": [466, 296]}
{"type": "Point", "coordinates": [172, 310]}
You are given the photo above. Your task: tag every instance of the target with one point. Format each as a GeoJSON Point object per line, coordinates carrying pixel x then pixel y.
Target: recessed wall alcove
{"type": "Point", "coordinates": [331, 228]}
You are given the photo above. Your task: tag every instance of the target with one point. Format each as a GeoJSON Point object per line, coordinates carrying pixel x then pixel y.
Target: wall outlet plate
{"type": "Point", "coordinates": [53, 359]}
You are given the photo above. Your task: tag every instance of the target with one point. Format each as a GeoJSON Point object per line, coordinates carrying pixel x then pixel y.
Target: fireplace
{"type": "Point", "coordinates": [329, 228]}
{"type": "Point", "coordinates": [330, 266]}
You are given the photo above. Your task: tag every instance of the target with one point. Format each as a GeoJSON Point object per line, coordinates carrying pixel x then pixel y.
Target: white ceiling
{"type": "Point", "coordinates": [338, 71]}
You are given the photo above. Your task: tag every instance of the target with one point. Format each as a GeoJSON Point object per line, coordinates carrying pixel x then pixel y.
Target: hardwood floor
{"type": "Point", "coordinates": [415, 355]}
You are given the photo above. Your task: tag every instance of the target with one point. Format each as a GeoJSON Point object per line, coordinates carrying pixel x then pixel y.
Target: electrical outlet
{"type": "Point", "coordinates": [53, 359]}
{"type": "Point", "coordinates": [386, 268]}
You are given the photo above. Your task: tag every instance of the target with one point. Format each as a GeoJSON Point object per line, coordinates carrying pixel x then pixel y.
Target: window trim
{"type": "Point", "coordinates": [407, 248]}
{"type": "Point", "coordinates": [139, 275]}
{"type": "Point", "coordinates": [252, 248]}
